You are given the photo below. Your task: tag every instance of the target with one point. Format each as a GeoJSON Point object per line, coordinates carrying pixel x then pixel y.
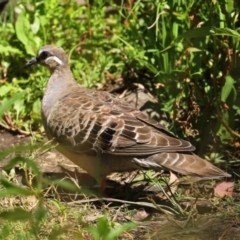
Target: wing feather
{"type": "Point", "coordinates": [87, 120]}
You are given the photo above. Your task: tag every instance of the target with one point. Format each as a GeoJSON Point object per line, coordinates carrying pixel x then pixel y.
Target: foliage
{"type": "Point", "coordinates": [185, 52]}
{"type": "Point", "coordinates": [103, 230]}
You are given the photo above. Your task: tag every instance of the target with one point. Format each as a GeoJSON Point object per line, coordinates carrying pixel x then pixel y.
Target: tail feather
{"type": "Point", "coordinates": [184, 163]}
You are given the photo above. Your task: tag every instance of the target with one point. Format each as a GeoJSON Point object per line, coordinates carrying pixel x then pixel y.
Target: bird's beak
{"type": "Point", "coordinates": [33, 61]}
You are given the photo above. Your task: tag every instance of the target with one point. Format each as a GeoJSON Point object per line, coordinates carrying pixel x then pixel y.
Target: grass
{"type": "Point", "coordinates": [48, 216]}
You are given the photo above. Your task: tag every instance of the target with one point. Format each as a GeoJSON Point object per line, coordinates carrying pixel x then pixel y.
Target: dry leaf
{"type": "Point", "coordinates": [140, 215]}
{"type": "Point", "coordinates": [173, 182]}
{"type": "Point", "coordinates": [224, 189]}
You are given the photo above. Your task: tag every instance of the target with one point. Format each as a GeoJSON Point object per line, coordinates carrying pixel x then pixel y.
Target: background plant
{"type": "Point", "coordinates": [186, 53]}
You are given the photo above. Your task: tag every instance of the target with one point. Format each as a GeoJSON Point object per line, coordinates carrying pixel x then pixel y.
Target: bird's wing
{"type": "Point", "coordinates": [85, 120]}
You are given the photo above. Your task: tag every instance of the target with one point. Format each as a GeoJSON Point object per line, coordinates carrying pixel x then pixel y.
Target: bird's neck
{"type": "Point", "coordinates": [58, 84]}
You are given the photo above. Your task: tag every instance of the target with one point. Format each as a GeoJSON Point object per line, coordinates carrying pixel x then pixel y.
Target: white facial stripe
{"type": "Point", "coordinates": [40, 51]}
{"type": "Point", "coordinates": [56, 59]}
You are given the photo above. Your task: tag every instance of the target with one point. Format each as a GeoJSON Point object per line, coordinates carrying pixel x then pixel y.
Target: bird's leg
{"type": "Point", "coordinates": [103, 186]}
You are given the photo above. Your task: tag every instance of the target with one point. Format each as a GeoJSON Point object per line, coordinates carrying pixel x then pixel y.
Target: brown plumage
{"type": "Point", "coordinates": [103, 134]}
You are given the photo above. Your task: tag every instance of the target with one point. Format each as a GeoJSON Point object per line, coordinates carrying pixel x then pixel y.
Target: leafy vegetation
{"type": "Point", "coordinates": [186, 53]}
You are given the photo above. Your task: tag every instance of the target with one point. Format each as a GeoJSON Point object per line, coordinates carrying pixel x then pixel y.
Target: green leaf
{"type": "Point", "coordinates": [5, 89]}
{"type": "Point", "coordinates": [229, 6]}
{"type": "Point", "coordinates": [104, 231]}
{"type": "Point", "coordinates": [203, 32]}
{"type": "Point", "coordinates": [227, 88]}
{"type": "Point", "coordinates": [19, 106]}
{"type": "Point", "coordinates": [37, 105]}
{"type": "Point", "coordinates": [20, 148]}
{"type": "Point", "coordinates": [103, 226]}
{"type": "Point", "coordinates": [114, 233]}
{"type": "Point", "coordinates": [40, 214]}
{"type": "Point", "coordinates": [193, 33]}
{"type": "Point", "coordinates": [36, 25]}
{"type": "Point", "coordinates": [24, 34]}
{"type": "Point", "coordinates": [237, 109]}
{"type": "Point", "coordinates": [66, 185]}
{"type": "Point", "coordinates": [9, 102]}
{"type": "Point", "coordinates": [226, 32]}
{"type": "Point", "coordinates": [17, 214]}
{"type": "Point", "coordinates": [12, 189]}
{"type": "Point", "coordinates": [9, 50]}
{"type": "Point", "coordinates": [25, 160]}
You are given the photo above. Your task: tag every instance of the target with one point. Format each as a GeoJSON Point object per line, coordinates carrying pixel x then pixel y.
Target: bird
{"type": "Point", "coordinates": [102, 133]}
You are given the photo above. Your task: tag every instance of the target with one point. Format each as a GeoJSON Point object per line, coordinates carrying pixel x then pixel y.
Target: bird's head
{"type": "Point", "coordinates": [49, 56]}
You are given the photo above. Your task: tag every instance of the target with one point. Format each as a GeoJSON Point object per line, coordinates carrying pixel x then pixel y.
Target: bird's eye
{"type": "Point", "coordinates": [44, 55]}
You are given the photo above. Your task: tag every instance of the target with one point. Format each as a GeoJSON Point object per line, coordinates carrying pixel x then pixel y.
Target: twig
{"type": "Point", "coordinates": [18, 130]}
{"type": "Point", "coordinates": [142, 204]}
{"type": "Point", "coordinates": [119, 209]}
